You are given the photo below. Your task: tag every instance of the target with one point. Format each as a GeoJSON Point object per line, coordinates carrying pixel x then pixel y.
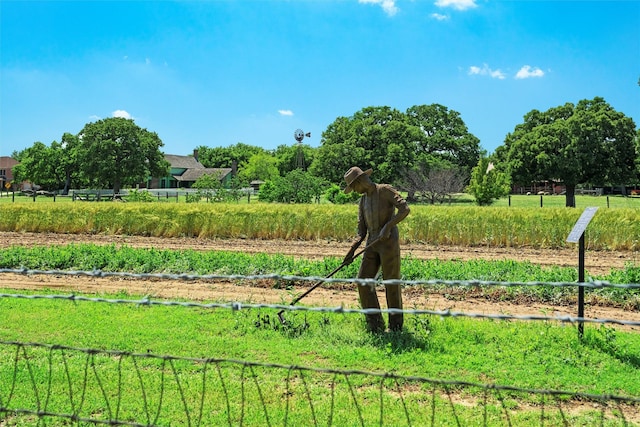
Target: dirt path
{"type": "Point", "coordinates": [596, 263]}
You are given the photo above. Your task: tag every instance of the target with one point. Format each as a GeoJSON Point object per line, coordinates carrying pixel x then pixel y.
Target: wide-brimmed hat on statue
{"type": "Point", "coordinates": [353, 174]}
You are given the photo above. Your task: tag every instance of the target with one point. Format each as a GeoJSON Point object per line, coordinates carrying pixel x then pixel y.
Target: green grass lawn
{"type": "Point", "coordinates": [526, 355]}
{"type": "Point", "coordinates": [560, 201]}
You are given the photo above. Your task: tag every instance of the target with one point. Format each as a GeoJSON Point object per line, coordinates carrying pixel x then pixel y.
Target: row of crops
{"type": "Point", "coordinates": [113, 258]}
{"type": "Point", "coordinates": [611, 229]}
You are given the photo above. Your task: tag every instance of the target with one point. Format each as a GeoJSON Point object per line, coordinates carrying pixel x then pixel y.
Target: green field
{"type": "Point", "coordinates": [153, 362]}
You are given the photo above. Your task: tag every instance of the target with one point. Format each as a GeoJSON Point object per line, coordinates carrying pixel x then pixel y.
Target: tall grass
{"type": "Point", "coordinates": [611, 229]}
{"type": "Point", "coordinates": [499, 227]}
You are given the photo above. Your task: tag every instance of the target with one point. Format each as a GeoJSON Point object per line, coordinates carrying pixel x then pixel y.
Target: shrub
{"type": "Point", "coordinates": [337, 196]}
{"type": "Point", "coordinates": [296, 187]}
{"type": "Point", "coordinates": [140, 196]}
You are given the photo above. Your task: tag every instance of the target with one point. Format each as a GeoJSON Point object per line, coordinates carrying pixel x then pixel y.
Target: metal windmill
{"type": "Point", "coordinates": [299, 136]}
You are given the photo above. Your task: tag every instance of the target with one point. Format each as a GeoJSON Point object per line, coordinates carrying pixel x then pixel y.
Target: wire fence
{"type": "Point", "coordinates": [48, 384]}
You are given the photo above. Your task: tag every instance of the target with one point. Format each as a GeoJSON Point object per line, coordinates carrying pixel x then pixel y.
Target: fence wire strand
{"type": "Point", "coordinates": [593, 284]}
{"type": "Point", "coordinates": [237, 306]}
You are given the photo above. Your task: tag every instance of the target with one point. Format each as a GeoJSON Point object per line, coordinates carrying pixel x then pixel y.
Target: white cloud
{"type": "Point", "coordinates": [439, 17]}
{"type": "Point", "coordinates": [285, 112]}
{"type": "Point", "coordinates": [457, 4]}
{"type": "Point", "coordinates": [121, 113]}
{"type": "Point", "coordinates": [94, 118]}
{"type": "Point", "coordinates": [486, 71]}
{"type": "Point", "coordinates": [389, 6]}
{"type": "Point", "coordinates": [527, 72]}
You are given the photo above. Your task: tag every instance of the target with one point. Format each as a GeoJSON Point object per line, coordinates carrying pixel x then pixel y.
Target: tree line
{"type": "Point", "coordinates": [426, 151]}
{"type": "Point", "coordinates": [110, 153]}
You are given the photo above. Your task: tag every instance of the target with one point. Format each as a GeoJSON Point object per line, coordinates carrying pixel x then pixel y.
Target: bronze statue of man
{"type": "Point", "coordinates": [381, 209]}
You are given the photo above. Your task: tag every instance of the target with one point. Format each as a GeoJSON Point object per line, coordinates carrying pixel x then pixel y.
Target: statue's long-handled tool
{"type": "Point", "coordinates": [340, 267]}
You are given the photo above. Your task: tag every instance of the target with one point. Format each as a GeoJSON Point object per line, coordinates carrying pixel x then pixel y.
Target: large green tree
{"type": "Point", "coordinates": [114, 152]}
{"type": "Point", "coordinates": [587, 143]}
{"type": "Point", "coordinates": [223, 157]}
{"type": "Point", "coordinates": [393, 142]}
{"type": "Point", "coordinates": [337, 153]}
{"type": "Point", "coordinates": [295, 156]}
{"type": "Point", "coordinates": [51, 167]}
{"type": "Point", "coordinates": [444, 138]}
{"type": "Point", "coordinates": [38, 165]}
{"type": "Point", "coordinates": [374, 137]}
{"type": "Point", "coordinates": [261, 166]}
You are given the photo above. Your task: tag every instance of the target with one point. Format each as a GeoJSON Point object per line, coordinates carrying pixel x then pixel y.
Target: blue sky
{"type": "Point", "coordinates": [216, 73]}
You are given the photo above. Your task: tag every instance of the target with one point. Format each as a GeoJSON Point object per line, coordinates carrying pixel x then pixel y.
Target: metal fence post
{"type": "Point", "coordinates": [577, 236]}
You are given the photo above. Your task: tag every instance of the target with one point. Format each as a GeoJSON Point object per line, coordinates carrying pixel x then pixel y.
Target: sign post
{"type": "Point", "coordinates": [577, 236]}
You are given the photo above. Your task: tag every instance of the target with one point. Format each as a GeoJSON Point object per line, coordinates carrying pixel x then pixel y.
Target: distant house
{"type": "Point", "coordinates": [256, 184]}
{"type": "Point", "coordinates": [6, 174]}
{"type": "Point", "coordinates": [185, 170]}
